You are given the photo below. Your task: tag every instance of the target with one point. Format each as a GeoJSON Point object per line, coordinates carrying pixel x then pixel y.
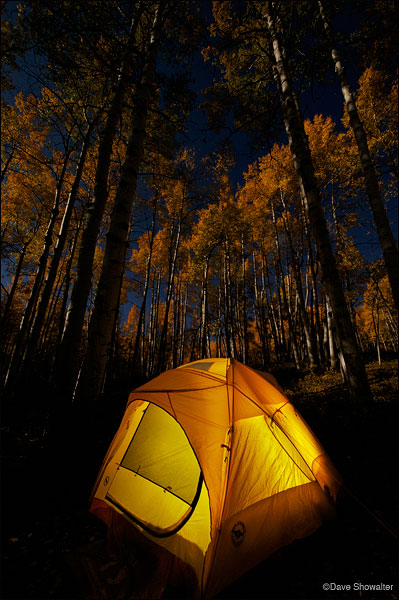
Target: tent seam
{"type": "Point", "coordinates": [281, 429]}
{"type": "Point", "coordinates": [209, 497]}
{"type": "Point", "coordinates": [226, 485]}
{"type": "Point", "coordinates": [167, 390]}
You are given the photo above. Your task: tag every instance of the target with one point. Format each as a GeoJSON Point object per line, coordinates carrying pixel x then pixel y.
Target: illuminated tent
{"type": "Point", "coordinates": [215, 467]}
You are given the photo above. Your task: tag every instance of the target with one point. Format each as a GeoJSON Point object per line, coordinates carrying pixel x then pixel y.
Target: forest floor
{"type": "Point", "coordinates": [46, 532]}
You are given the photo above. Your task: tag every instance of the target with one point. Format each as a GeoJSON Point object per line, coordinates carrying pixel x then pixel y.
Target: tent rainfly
{"type": "Point", "coordinates": [213, 469]}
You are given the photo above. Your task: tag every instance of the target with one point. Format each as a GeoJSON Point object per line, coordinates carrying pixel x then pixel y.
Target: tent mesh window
{"type": "Point", "coordinates": [202, 366]}
{"type": "Point", "coordinates": [160, 452]}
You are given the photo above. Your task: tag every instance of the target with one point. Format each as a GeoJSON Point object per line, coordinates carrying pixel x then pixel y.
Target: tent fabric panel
{"type": "Point", "coordinates": [205, 419]}
{"type": "Point", "coordinates": [260, 465]}
{"type": "Point", "coordinates": [207, 408]}
{"type": "Point", "coordinates": [181, 379]}
{"type": "Point", "coordinates": [191, 542]}
{"type": "Point", "coordinates": [153, 565]}
{"type": "Point", "coordinates": [161, 399]}
{"type": "Point", "coordinates": [146, 501]}
{"type": "Point", "coordinates": [219, 414]}
{"type": "Point", "coordinates": [244, 408]}
{"type": "Point", "coordinates": [209, 433]}
{"type": "Point", "coordinates": [130, 421]}
{"type": "Point", "coordinates": [256, 388]}
{"type": "Point", "coordinates": [253, 534]}
{"type": "Point", "coordinates": [199, 364]}
{"type": "Point", "coordinates": [160, 452]}
{"type": "Point", "coordinates": [218, 367]}
{"type": "Point", "coordinates": [298, 431]}
{"type": "Point", "coordinates": [259, 390]}
{"type": "Point", "coordinates": [330, 480]}
{"type": "Point", "coordinates": [292, 448]}
{"type": "Point", "coordinates": [270, 379]}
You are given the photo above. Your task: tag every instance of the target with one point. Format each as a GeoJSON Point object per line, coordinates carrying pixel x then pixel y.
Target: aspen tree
{"type": "Point", "coordinates": [385, 235]}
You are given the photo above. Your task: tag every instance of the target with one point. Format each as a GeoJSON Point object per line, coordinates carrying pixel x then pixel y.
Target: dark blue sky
{"type": "Point", "coordinates": [324, 97]}
{"type": "Point", "coordinates": [321, 99]}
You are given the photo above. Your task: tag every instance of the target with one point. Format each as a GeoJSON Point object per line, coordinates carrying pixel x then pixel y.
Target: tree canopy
{"type": "Point", "coordinates": [128, 246]}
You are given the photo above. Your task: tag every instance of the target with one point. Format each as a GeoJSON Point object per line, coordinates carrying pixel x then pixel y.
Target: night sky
{"type": "Point", "coordinates": [321, 98]}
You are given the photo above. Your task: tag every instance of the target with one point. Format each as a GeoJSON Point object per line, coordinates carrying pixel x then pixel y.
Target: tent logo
{"type": "Point", "coordinates": [238, 532]}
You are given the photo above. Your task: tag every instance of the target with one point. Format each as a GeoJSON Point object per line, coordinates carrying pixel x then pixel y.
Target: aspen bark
{"type": "Point", "coordinates": [26, 321]}
{"type": "Point", "coordinates": [245, 352]}
{"type": "Point", "coordinates": [38, 323]}
{"type": "Point", "coordinates": [353, 368]}
{"type": "Point", "coordinates": [270, 310]}
{"type": "Point", "coordinates": [103, 315]}
{"type": "Point", "coordinates": [173, 254]}
{"type": "Point", "coordinates": [11, 293]}
{"type": "Point", "coordinates": [310, 342]}
{"type": "Point", "coordinates": [281, 284]}
{"type": "Point", "coordinates": [183, 328]}
{"type": "Point", "coordinates": [314, 287]}
{"type": "Point", "coordinates": [48, 323]}
{"type": "Point", "coordinates": [135, 363]}
{"type": "Point", "coordinates": [219, 336]}
{"type": "Point", "coordinates": [72, 335]}
{"type": "Point", "coordinates": [7, 164]}
{"type": "Point", "coordinates": [260, 317]}
{"type": "Point", "coordinates": [154, 329]}
{"type": "Point", "coordinates": [204, 311]}
{"type": "Point", "coordinates": [228, 326]}
{"type": "Point", "coordinates": [176, 322]}
{"type": "Point", "coordinates": [385, 235]}
{"type": "Point", "coordinates": [67, 285]}
{"type": "Point", "coordinates": [331, 336]}
{"type": "Point", "coordinates": [280, 321]}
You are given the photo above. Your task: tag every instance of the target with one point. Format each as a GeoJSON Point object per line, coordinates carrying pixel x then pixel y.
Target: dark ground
{"type": "Point", "coordinates": [48, 536]}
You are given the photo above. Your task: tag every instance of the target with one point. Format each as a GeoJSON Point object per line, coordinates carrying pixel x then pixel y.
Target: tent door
{"type": "Point", "coordinates": [159, 480]}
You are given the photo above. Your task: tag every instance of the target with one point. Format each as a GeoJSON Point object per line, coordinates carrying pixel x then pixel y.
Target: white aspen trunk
{"type": "Point", "coordinates": [67, 284]}
{"type": "Point", "coordinates": [258, 310]}
{"type": "Point", "coordinates": [244, 306]}
{"type": "Point", "coordinates": [385, 235]}
{"type": "Point", "coordinates": [4, 326]}
{"type": "Point", "coordinates": [355, 372]}
{"type": "Point", "coordinates": [310, 344]}
{"type": "Point", "coordinates": [153, 326]}
{"type": "Point", "coordinates": [331, 337]}
{"type": "Point", "coordinates": [219, 334]}
{"type": "Point", "coordinates": [376, 324]}
{"type": "Point", "coordinates": [174, 249]}
{"type": "Point", "coordinates": [106, 301]}
{"type": "Point", "coordinates": [135, 362]}
{"type": "Point", "coordinates": [279, 269]}
{"type": "Point", "coordinates": [69, 350]}
{"type": "Point", "coordinates": [261, 299]}
{"type": "Point", "coordinates": [29, 310]}
{"type": "Point", "coordinates": [183, 329]}
{"type": "Point", "coordinates": [313, 286]}
{"type": "Point", "coordinates": [326, 349]}
{"type": "Point", "coordinates": [204, 312]}
{"type": "Point", "coordinates": [228, 328]}
{"type": "Point", "coordinates": [38, 323]}
{"type": "Point", "coordinates": [270, 308]}
{"type": "Point", "coordinates": [151, 330]}
{"type": "Point", "coordinates": [232, 309]}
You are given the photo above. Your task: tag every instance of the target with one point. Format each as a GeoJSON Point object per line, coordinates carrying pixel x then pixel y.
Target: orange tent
{"type": "Point", "coordinates": [213, 466]}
